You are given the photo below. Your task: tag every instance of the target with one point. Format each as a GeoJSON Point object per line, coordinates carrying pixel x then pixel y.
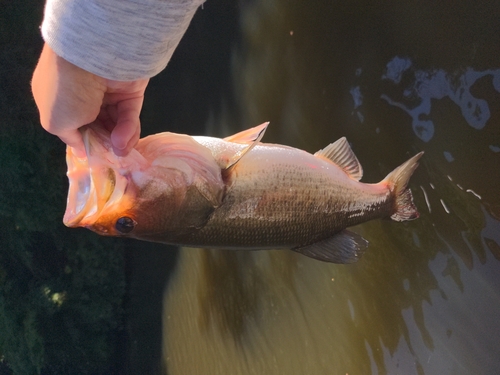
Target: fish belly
{"type": "Point", "coordinates": [281, 197]}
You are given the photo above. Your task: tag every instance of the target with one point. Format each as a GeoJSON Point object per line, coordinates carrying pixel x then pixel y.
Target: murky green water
{"type": "Point", "coordinates": [425, 298]}
{"type": "Point", "coordinates": [395, 79]}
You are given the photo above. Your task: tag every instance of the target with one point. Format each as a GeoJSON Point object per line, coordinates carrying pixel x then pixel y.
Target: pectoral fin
{"type": "Point", "coordinates": [344, 247]}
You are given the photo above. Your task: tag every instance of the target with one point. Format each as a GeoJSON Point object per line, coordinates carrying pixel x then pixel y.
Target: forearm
{"type": "Point", "coordinates": [121, 40]}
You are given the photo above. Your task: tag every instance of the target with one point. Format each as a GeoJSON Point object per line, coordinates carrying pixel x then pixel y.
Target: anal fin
{"type": "Point", "coordinates": [344, 247]}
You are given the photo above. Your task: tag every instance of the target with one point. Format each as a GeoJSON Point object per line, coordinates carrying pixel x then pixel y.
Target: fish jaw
{"type": "Point", "coordinates": [99, 180]}
{"type": "Point", "coordinates": [167, 186]}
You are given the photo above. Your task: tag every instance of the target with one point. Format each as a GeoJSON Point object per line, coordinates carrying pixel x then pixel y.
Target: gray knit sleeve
{"type": "Point", "coordinates": [117, 39]}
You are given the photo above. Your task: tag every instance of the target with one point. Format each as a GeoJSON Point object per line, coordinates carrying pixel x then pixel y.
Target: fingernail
{"type": "Point", "coordinates": [120, 152]}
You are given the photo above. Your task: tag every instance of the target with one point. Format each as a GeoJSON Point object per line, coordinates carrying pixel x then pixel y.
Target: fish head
{"type": "Point", "coordinates": [166, 185]}
{"type": "Point", "coordinates": [100, 184]}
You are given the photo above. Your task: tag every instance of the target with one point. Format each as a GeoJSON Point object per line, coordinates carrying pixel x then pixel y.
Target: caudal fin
{"type": "Point", "coordinates": [404, 209]}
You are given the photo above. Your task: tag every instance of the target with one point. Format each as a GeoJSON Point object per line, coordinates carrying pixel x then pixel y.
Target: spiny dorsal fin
{"type": "Point", "coordinates": [249, 135]}
{"type": "Point", "coordinates": [341, 154]}
{"type": "Point", "coordinates": [253, 135]}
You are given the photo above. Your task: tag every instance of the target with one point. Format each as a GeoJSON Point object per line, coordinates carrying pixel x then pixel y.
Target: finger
{"type": "Point", "coordinates": [67, 97]}
{"type": "Point", "coordinates": [133, 140]}
{"type": "Point", "coordinates": [73, 138]}
{"type": "Point", "coordinates": [106, 119]}
{"type": "Point", "coordinates": [125, 136]}
{"type": "Point", "coordinates": [127, 130]}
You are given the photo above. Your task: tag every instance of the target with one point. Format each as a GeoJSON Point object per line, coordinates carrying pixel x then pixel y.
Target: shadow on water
{"type": "Point", "coordinates": [425, 298]}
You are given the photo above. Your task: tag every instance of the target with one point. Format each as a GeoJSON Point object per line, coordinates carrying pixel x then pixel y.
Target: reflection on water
{"type": "Point", "coordinates": [425, 298]}
{"type": "Point", "coordinates": [428, 85]}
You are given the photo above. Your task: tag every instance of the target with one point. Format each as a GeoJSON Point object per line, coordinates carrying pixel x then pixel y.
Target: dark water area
{"type": "Point", "coordinates": [395, 79]}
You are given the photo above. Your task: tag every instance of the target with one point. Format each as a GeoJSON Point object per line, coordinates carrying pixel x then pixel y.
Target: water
{"type": "Point", "coordinates": [395, 80]}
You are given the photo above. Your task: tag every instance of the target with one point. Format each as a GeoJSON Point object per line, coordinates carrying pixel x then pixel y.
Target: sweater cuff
{"type": "Point", "coordinates": [121, 40]}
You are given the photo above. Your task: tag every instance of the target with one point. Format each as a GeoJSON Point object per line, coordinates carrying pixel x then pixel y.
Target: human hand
{"type": "Point", "coordinates": [69, 97]}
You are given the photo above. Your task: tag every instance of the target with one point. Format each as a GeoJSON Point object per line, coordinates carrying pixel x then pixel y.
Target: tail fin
{"type": "Point", "coordinates": [404, 209]}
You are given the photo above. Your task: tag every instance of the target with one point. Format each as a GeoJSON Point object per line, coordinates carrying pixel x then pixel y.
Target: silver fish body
{"type": "Point", "coordinates": [247, 195]}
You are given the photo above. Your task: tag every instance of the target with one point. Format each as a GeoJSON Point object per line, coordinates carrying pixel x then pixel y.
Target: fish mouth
{"type": "Point", "coordinates": [95, 181]}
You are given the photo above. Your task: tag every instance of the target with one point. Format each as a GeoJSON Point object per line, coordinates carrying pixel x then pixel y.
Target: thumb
{"type": "Point", "coordinates": [73, 138]}
{"type": "Point", "coordinates": [126, 132]}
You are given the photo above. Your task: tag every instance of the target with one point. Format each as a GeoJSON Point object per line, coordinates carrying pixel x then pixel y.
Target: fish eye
{"type": "Point", "coordinates": [125, 224]}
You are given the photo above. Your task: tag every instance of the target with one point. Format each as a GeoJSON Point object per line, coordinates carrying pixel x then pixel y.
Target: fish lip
{"type": "Point", "coordinates": [89, 186]}
{"type": "Point", "coordinates": [80, 189]}
{"type": "Point", "coordinates": [99, 180]}
{"type": "Point", "coordinates": [100, 229]}
{"type": "Point", "coordinates": [81, 193]}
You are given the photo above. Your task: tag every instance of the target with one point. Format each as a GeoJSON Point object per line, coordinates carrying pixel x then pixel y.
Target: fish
{"type": "Point", "coordinates": [233, 193]}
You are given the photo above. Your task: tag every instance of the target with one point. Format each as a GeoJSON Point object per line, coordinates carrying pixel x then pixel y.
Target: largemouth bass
{"type": "Point", "coordinates": [232, 193]}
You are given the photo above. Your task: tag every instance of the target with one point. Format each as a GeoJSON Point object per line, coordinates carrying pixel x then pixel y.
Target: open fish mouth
{"type": "Point", "coordinates": [95, 181]}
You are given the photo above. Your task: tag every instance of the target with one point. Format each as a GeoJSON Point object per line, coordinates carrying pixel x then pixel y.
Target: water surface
{"type": "Point", "coordinates": [425, 298]}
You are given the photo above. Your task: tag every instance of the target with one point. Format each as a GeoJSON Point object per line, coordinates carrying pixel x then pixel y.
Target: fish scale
{"type": "Point", "coordinates": [317, 207]}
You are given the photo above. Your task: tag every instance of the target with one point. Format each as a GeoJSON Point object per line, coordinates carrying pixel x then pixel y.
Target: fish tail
{"type": "Point", "coordinates": [397, 180]}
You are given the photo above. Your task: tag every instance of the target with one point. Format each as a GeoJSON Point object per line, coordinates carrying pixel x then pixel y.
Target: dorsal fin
{"type": "Point", "coordinates": [249, 135]}
{"type": "Point", "coordinates": [341, 154]}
